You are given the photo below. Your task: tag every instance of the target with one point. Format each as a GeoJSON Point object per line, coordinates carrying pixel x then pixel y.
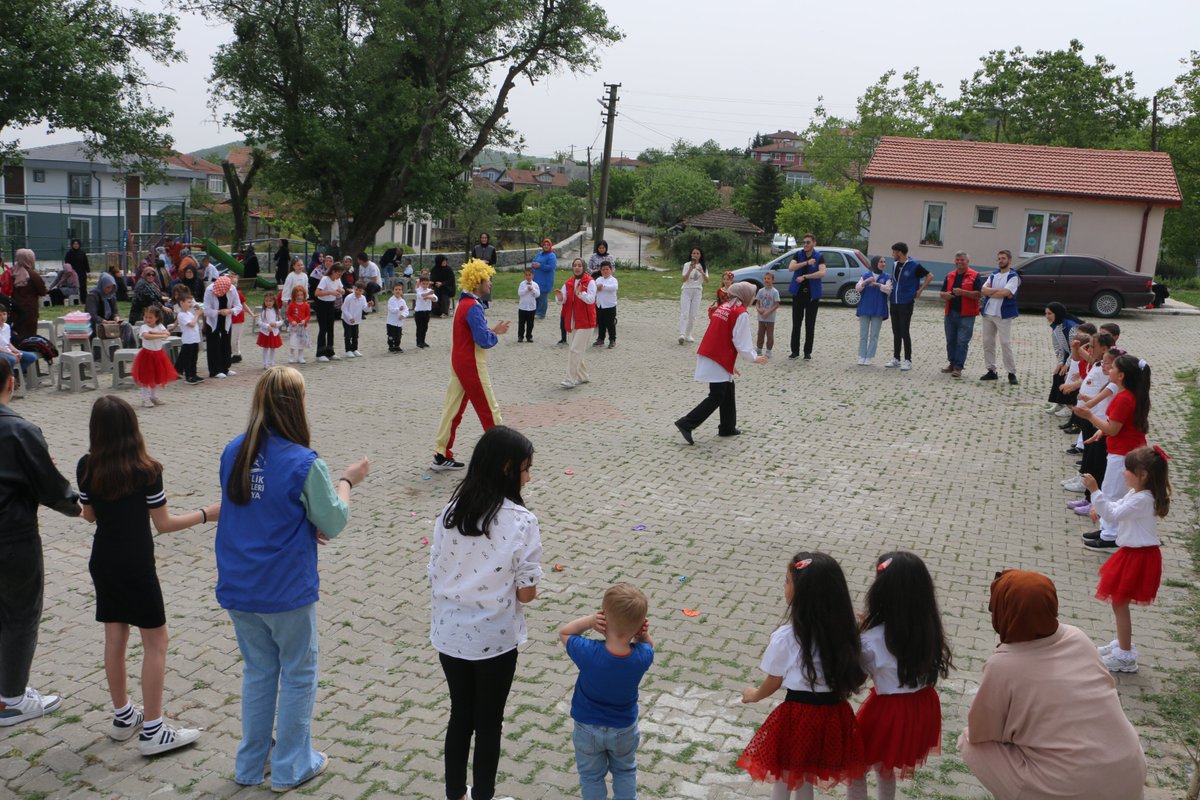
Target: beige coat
{"type": "Point", "coordinates": [1047, 724]}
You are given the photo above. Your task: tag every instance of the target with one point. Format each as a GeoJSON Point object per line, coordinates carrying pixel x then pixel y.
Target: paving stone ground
{"type": "Point", "coordinates": [848, 459]}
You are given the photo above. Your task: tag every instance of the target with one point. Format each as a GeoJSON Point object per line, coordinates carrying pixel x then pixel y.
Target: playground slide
{"type": "Point", "coordinates": [217, 253]}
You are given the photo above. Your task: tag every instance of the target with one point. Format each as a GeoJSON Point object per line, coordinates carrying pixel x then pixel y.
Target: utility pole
{"type": "Point", "coordinates": [1154, 123]}
{"type": "Point", "coordinates": [610, 116]}
{"type": "Point", "coordinates": [591, 203]}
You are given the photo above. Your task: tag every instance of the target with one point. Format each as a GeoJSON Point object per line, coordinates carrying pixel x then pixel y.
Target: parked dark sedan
{"type": "Point", "coordinates": [1082, 283]}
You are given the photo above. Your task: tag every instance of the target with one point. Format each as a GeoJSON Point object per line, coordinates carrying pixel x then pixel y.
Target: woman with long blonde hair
{"type": "Point", "coordinates": [278, 504]}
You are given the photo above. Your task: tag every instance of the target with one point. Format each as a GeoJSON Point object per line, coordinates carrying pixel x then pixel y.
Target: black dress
{"type": "Point", "coordinates": [122, 562]}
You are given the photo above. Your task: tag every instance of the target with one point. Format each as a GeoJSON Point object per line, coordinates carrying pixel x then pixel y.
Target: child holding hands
{"type": "Point", "coordinates": [604, 705]}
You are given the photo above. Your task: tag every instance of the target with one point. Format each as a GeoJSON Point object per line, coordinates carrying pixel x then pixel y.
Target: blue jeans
{"type": "Point", "coordinates": [959, 330]}
{"type": "Point", "coordinates": [600, 750]}
{"type": "Point", "coordinates": [279, 654]}
{"type": "Point", "coordinates": [868, 335]}
{"type": "Point", "coordinates": [542, 300]}
{"type": "Point", "coordinates": [27, 359]}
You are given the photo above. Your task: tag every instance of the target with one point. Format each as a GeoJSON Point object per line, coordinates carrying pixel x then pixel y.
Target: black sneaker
{"type": "Point", "coordinates": [1012, 379]}
{"type": "Point", "coordinates": [235, 359]}
{"type": "Point", "coordinates": [794, 356]}
{"type": "Point", "coordinates": [733, 432]}
{"type": "Point", "coordinates": [443, 464]}
{"type": "Point", "coordinates": [989, 376]}
{"type": "Point", "coordinates": [1091, 536]}
{"type": "Point", "coordinates": [194, 380]}
{"type": "Point", "coordinates": [687, 432]}
{"type": "Point", "coordinates": [1100, 544]}
{"type": "Point", "coordinates": [808, 356]}
{"type": "Point", "coordinates": [1074, 451]}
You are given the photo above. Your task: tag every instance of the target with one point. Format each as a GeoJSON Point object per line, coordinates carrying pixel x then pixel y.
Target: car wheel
{"type": "Point", "coordinates": [850, 296]}
{"type": "Point", "coordinates": [1107, 304]}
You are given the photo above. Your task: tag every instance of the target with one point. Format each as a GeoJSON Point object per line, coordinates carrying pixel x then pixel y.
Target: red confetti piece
{"type": "Point", "coordinates": [568, 472]}
{"type": "Point", "coordinates": [691, 612]}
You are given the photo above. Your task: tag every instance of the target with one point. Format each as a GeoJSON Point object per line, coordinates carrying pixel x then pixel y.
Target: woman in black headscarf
{"type": "Point", "coordinates": [443, 283]}
{"type": "Point", "coordinates": [79, 262]}
{"type": "Point", "coordinates": [250, 263]}
{"type": "Point", "coordinates": [283, 262]}
{"type": "Point", "coordinates": [190, 277]}
{"type": "Point", "coordinates": [484, 251]}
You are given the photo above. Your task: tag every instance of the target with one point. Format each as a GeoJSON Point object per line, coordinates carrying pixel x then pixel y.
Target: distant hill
{"type": "Point", "coordinates": [218, 152]}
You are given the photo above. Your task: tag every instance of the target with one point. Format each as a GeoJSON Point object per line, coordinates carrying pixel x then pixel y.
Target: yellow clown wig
{"type": "Point", "coordinates": [473, 273]}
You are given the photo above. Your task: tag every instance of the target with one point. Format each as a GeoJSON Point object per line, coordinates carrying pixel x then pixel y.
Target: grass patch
{"type": "Point", "coordinates": [1189, 296]}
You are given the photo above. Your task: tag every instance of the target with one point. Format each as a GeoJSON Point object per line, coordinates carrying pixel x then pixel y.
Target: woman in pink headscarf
{"type": "Point", "coordinates": [220, 306]}
{"type": "Point", "coordinates": [28, 286]}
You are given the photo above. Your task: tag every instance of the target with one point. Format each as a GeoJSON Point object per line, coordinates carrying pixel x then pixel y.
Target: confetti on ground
{"type": "Point", "coordinates": [568, 472]}
{"type": "Point", "coordinates": [424, 540]}
{"type": "Point", "coordinates": [691, 612]}
{"type": "Point", "coordinates": [559, 567]}
{"type": "Point", "coordinates": [682, 578]}
{"type": "Point", "coordinates": [412, 513]}
{"type": "Point", "coordinates": [425, 478]}
{"type": "Point", "coordinates": [639, 527]}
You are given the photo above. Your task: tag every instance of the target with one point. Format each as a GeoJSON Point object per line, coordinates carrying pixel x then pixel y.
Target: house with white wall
{"type": "Point", "coordinates": [943, 196]}
{"type": "Point", "coordinates": [58, 193]}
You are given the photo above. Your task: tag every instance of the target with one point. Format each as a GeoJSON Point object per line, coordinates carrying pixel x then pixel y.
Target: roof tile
{"type": "Point", "coordinates": [1140, 176]}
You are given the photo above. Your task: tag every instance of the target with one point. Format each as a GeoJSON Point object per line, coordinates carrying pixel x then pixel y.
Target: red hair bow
{"type": "Point", "coordinates": [884, 565]}
{"type": "Point", "coordinates": [1162, 453]}
{"type": "Point", "coordinates": [802, 563]}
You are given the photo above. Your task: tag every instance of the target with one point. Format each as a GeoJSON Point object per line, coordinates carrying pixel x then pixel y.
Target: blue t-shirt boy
{"type": "Point", "coordinates": [606, 692]}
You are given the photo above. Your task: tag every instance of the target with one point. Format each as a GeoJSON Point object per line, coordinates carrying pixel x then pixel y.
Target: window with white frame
{"type": "Point", "coordinates": [39, 176]}
{"type": "Point", "coordinates": [216, 184]}
{"type": "Point", "coordinates": [932, 224]}
{"type": "Point", "coordinates": [985, 216]}
{"type": "Point", "coordinates": [790, 157]}
{"type": "Point", "coordinates": [79, 187]}
{"type": "Point", "coordinates": [1046, 232]}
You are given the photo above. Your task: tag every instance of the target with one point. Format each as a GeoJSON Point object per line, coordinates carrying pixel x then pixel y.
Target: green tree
{"type": "Point", "coordinates": [623, 185]}
{"type": "Point", "coordinates": [832, 215]}
{"type": "Point", "coordinates": [765, 197]}
{"type": "Point", "coordinates": [673, 191]}
{"type": "Point", "coordinates": [1180, 136]}
{"type": "Point", "coordinates": [376, 105]}
{"type": "Point", "coordinates": [477, 213]}
{"type": "Point", "coordinates": [1052, 97]}
{"type": "Point", "coordinates": [75, 64]}
{"type": "Point", "coordinates": [720, 247]}
{"type": "Point", "coordinates": [552, 213]}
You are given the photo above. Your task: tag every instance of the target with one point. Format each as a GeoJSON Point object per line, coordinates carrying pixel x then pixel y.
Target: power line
{"type": "Point", "coordinates": [742, 100]}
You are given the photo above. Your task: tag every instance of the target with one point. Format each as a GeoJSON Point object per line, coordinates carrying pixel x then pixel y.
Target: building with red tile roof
{"type": "Point", "coordinates": [941, 196]}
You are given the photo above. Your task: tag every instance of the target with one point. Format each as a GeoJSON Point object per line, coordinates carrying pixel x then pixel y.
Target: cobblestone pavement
{"type": "Point", "coordinates": [852, 460]}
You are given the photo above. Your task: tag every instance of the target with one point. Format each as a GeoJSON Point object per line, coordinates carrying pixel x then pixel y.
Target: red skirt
{"type": "Point", "coordinates": [899, 731]}
{"type": "Point", "coordinates": [271, 341]}
{"type": "Point", "coordinates": [152, 368]}
{"type": "Point", "coordinates": [801, 743]}
{"type": "Point", "coordinates": [1131, 575]}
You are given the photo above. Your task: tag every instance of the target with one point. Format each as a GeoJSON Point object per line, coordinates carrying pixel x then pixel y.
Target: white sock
{"type": "Point", "coordinates": [266, 358]}
{"type": "Point", "coordinates": [151, 726]}
{"type": "Point", "coordinates": [804, 792]}
{"type": "Point", "coordinates": [780, 791]}
{"type": "Point", "coordinates": [857, 790]}
{"type": "Point", "coordinates": [124, 713]}
{"type": "Point", "coordinates": [145, 394]}
{"type": "Point", "coordinates": [887, 786]}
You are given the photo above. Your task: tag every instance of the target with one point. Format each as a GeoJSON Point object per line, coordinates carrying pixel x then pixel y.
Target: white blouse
{"type": "Point", "coordinates": [881, 665]}
{"type": "Point", "coordinates": [1134, 514]}
{"type": "Point", "coordinates": [783, 659]}
{"type": "Point", "coordinates": [475, 612]}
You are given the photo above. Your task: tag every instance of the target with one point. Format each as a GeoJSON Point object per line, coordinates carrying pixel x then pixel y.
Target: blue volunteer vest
{"type": "Point", "coordinates": [267, 549]}
{"type": "Point", "coordinates": [907, 283]}
{"type": "Point", "coordinates": [1008, 306]}
{"type": "Point", "coordinates": [874, 302]}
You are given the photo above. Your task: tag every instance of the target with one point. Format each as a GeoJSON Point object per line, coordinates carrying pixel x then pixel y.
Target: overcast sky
{"type": "Point", "coordinates": [701, 69]}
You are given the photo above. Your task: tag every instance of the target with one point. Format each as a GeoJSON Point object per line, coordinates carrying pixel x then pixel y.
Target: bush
{"type": "Point", "coordinates": [719, 247]}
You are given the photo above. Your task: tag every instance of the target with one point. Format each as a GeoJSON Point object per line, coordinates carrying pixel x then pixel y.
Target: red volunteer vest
{"type": "Point", "coordinates": [970, 282]}
{"type": "Point", "coordinates": [579, 315]}
{"type": "Point", "coordinates": [717, 343]}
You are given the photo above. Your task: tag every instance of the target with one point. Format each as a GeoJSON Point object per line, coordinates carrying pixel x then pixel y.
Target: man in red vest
{"type": "Point", "coordinates": [960, 292]}
{"type": "Point", "coordinates": [727, 337]}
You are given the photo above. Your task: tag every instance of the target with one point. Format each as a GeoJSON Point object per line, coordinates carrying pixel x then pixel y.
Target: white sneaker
{"type": "Point", "coordinates": [1119, 660]}
{"type": "Point", "coordinates": [1075, 486]}
{"type": "Point", "coordinates": [149, 404]}
{"type": "Point", "coordinates": [690, 339]}
{"type": "Point", "coordinates": [866, 362]}
{"type": "Point", "coordinates": [905, 365]}
{"type": "Point", "coordinates": [292, 361]}
{"type": "Point", "coordinates": [358, 354]}
{"type": "Point", "coordinates": [1063, 412]}
{"type": "Point", "coordinates": [569, 384]}
{"type": "Point", "coordinates": [768, 354]}
{"type": "Point", "coordinates": [895, 362]}
{"type": "Point", "coordinates": [124, 731]}
{"type": "Point", "coordinates": [221, 375]}
{"type": "Point", "coordinates": [1105, 649]}
{"type": "Point", "coordinates": [323, 359]}
{"type": "Point", "coordinates": [231, 373]}
{"type": "Point", "coordinates": [33, 705]}
{"type": "Point", "coordinates": [349, 354]}
{"type": "Point", "coordinates": [166, 739]}
{"type": "Point", "coordinates": [335, 357]}
{"type": "Point", "coordinates": [301, 361]}
{"type": "Point", "coordinates": [1050, 409]}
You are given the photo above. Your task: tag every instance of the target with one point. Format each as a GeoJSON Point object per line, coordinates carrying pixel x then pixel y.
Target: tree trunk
{"type": "Point", "coordinates": [239, 194]}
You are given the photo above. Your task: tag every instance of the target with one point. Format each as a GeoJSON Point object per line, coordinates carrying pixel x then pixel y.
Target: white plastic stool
{"type": "Point", "coordinates": [45, 329]}
{"type": "Point", "coordinates": [121, 358]}
{"type": "Point", "coordinates": [77, 371]}
{"type": "Point", "coordinates": [173, 344]}
{"type": "Point", "coordinates": [105, 347]}
{"type": "Point", "coordinates": [80, 343]}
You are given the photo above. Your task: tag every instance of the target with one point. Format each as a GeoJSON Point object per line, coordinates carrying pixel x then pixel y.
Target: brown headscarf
{"type": "Point", "coordinates": [26, 263]}
{"type": "Point", "coordinates": [1024, 606]}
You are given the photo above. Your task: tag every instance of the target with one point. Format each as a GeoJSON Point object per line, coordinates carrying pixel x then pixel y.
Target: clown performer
{"type": "Point", "coordinates": [469, 380]}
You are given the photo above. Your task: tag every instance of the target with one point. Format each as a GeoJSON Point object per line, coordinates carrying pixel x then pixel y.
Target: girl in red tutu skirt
{"type": "Point", "coordinates": [269, 323]}
{"type": "Point", "coordinates": [811, 738]}
{"type": "Point", "coordinates": [151, 368]}
{"type": "Point", "coordinates": [905, 652]}
{"type": "Point", "coordinates": [1133, 573]}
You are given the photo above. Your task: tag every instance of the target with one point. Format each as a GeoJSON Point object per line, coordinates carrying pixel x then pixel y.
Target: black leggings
{"type": "Point", "coordinates": [20, 611]}
{"type": "Point", "coordinates": [720, 396]}
{"type": "Point", "coordinates": [901, 316]}
{"type": "Point", "coordinates": [606, 324]}
{"type": "Point", "coordinates": [325, 316]}
{"type": "Point", "coordinates": [478, 692]}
